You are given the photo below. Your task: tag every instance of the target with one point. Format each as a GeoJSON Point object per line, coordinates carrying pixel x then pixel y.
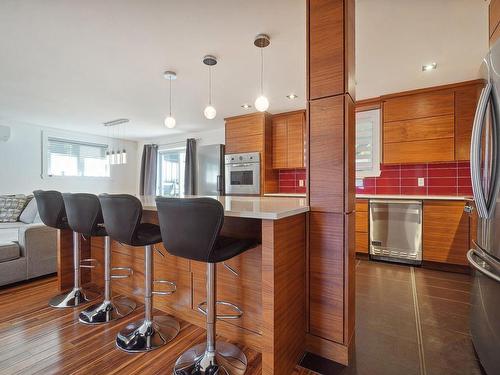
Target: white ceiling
{"type": "Point", "coordinates": [394, 38]}
{"type": "Point", "coordinates": [76, 64]}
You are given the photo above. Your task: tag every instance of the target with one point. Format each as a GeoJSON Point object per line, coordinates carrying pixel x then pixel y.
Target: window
{"type": "Point", "coordinates": [368, 143]}
{"type": "Point", "coordinates": [171, 163]}
{"type": "Point", "coordinates": [73, 158]}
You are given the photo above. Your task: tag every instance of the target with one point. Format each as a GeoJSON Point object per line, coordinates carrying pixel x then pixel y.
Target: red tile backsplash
{"type": "Point", "coordinates": [402, 179]}
{"type": "Point", "coordinates": [289, 181]}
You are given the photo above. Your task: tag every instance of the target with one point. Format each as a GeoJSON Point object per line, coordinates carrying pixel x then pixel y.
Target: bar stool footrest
{"type": "Point", "coordinates": [165, 293]}
{"type": "Point", "coordinates": [239, 312]}
{"type": "Point", "coordinates": [93, 263]}
{"type": "Point", "coordinates": [125, 276]}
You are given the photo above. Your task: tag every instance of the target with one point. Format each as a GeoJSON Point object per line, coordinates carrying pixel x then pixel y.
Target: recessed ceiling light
{"type": "Point", "coordinates": [292, 96]}
{"type": "Point", "coordinates": [246, 106]}
{"type": "Point", "coordinates": [428, 67]}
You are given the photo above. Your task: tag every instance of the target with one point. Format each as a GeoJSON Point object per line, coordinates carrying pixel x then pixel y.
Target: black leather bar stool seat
{"type": "Point", "coordinates": [85, 217]}
{"type": "Point", "coordinates": [52, 209]}
{"type": "Point", "coordinates": [190, 229]}
{"type": "Point", "coordinates": [122, 218]}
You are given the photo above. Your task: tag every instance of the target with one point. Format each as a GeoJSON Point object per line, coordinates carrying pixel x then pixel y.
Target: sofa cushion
{"type": "Point", "coordinates": [29, 213]}
{"type": "Point", "coordinates": [11, 207]}
{"type": "Point", "coordinates": [9, 251]}
{"type": "Point", "coordinates": [10, 231]}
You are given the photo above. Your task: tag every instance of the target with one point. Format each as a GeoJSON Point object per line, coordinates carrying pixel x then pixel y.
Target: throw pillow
{"type": "Point", "coordinates": [11, 207]}
{"type": "Point", "coordinates": [29, 213]}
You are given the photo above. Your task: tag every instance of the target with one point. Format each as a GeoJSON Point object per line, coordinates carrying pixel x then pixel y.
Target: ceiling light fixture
{"type": "Point", "coordinates": [170, 120]}
{"type": "Point", "coordinates": [210, 111]}
{"type": "Point", "coordinates": [119, 156]}
{"type": "Point", "coordinates": [292, 96]}
{"type": "Point", "coordinates": [429, 67]}
{"type": "Point", "coordinates": [246, 106]}
{"type": "Point", "coordinates": [262, 41]}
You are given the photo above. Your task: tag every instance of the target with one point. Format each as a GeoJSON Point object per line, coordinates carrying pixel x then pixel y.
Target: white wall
{"type": "Point", "coordinates": [394, 38]}
{"type": "Point", "coordinates": [21, 164]}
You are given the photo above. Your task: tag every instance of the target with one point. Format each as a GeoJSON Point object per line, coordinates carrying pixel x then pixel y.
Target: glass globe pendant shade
{"type": "Point", "coordinates": [124, 156]}
{"type": "Point", "coordinates": [210, 112]}
{"type": "Point", "coordinates": [170, 122]}
{"type": "Point", "coordinates": [261, 103]}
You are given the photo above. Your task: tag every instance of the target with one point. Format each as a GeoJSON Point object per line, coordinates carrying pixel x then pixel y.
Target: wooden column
{"type": "Point", "coordinates": [331, 138]}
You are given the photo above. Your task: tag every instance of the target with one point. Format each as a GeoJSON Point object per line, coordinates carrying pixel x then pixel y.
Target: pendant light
{"type": "Point", "coordinates": [170, 120]}
{"type": "Point", "coordinates": [262, 41]}
{"type": "Point", "coordinates": [210, 111]}
{"type": "Point", "coordinates": [120, 155]}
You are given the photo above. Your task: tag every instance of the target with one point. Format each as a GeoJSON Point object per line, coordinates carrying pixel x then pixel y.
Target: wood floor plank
{"type": "Point", "coordinates": [37, 339]}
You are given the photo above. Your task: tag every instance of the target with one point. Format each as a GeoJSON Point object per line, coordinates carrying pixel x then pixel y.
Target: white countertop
{"type": "Point", "coordinates": [296, 195]}
{"type": "Point", "coordinates": [270, 208]}
{"type": "Point", "coordinates": [419, 197]}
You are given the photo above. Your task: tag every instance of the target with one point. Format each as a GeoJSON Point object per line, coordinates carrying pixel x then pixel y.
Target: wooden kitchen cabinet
{"type": "Point", "coordinates": [465, 108]}
{"type": "Point", "coordinates": [445, 232]}
{"type": "Point", "coordinates": [252, 133]}
{"type": "Point", "coordinates": [288, 140]}
{"type": "Point", "coordinates": [494, 20]}
{"type": "Point", "coordinates": [429, 125]}
{"type": "Point", "coordinates": [362, 219]}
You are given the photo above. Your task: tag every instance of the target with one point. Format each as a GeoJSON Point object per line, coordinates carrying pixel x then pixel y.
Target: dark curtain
{"type": "Point", "coordinates": [148, 170]}
{"type": "Point", "coordinates": [190, 171]}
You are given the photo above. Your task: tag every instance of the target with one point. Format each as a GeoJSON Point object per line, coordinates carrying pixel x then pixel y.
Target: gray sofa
{"type": "Point", "coordinates": [28, 248]}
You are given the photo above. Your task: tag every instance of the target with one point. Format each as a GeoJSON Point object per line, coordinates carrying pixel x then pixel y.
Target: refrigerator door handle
{"type": "Point", "coordinates": [475, 151]}
{"type": "Point", "coordinates": [471, 254]}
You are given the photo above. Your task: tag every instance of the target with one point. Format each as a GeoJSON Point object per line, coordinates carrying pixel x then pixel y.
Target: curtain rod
{"type": "Point", "coordinates": [176, 143]}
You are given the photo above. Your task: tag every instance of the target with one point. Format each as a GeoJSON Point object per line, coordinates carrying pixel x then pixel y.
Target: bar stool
{"type": "Point", "coordinates": [85, 217]}
{"type": "Point", "coordinates": [53, 214]}
{"type": "Point", "coordinates": [190, 229]}
{"type": "Point", "coordinates": [122, 218]}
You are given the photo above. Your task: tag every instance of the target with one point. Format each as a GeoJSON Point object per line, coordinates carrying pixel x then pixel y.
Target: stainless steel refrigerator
{"type": "Point", "coordinates": [210, 170]}
{"type": "Point", "coordinates": [484, 257]}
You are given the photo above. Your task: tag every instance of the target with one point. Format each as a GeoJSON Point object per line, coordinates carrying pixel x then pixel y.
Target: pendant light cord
{"type": "Point", "coordinates": [209, 85]}
{"type": "Point", "coordinates": [262, 71]}
{"type": "Point", "coordinates": [170, 97]}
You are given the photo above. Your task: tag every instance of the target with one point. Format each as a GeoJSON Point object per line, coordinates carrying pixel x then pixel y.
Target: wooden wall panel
{"type": "Point", "coordinates": [445, 232]}
{"type": "Point", "coordinates": [284, 297]}
{"type": "Point", "coordinates": [326, 259]}
{"type": "Point", "coordinates": [326, 153]}
{"type": "Point", "coordinates": [349, 155]}
{"type": "Point", "coordinates": [326, 48]}
{"type": "Point", "coordinates": [331, 169]}
{"type": "Point", "coordinates": [418, 106]}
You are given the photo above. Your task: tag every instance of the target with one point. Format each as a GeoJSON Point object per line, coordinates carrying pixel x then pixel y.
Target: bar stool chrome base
{"type": "Point", "coordinates": [228, 360]}
{"type": "Point", "coordinates": [76, 297]}
{"type": "Point", "coordinates": [107, 311]}
{"type": "Point", "coordinates": [147, 335]}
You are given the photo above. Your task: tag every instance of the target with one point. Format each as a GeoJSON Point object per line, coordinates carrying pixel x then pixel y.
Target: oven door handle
{"type": "Point", "coordinates": [242, 165]}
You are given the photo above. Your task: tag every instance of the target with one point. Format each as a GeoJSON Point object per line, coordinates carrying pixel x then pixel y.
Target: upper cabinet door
{"type": "Point", "coordinates": [465, 107]}
{"type": "Point", "coordinates": [326, 48]}
{"type": "Point", "coordinates": [419, 106]}
{"type": "Point", "coordinates": [280, 145]}
{"type": "Point", "coordinates": [295, 137]}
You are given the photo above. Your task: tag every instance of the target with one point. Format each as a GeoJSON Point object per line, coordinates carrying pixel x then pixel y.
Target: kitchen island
{"type": "Point", "coordinates": [267, 282]}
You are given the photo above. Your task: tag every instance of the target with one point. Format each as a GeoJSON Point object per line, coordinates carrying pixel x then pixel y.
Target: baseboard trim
{"type": "Point", "coordinates": [328, 349]}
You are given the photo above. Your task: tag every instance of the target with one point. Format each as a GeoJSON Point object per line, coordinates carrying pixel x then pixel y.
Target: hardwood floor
{"type": "Point", "coordinates": [37, 339]}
